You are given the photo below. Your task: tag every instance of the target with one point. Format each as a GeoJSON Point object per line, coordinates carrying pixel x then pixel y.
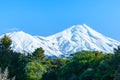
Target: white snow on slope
{"type": "Point", "coordinates": [73, 39]}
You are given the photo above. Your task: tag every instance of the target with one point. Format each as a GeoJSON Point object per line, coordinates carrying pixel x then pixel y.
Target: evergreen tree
{"type": "Point", "coordinates": [5, 55]}
{"type": "Point", "coordinates": [5, 43]}
{"type": "Point", "coordinates": [117, 74]}
{"type": "Point", "coordinates": [8, 58]}
{"type": "Point", "coordinates": [117, 63]}
{"type": "Point", "coordinates": [39, 53]}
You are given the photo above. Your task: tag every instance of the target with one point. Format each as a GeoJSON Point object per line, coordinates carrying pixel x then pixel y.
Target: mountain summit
{"type": "Point", "coordinates": [73, 39]}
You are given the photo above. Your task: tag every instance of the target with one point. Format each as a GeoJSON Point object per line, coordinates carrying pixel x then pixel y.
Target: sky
{"type": "Point", "coordinates": [47, 17]}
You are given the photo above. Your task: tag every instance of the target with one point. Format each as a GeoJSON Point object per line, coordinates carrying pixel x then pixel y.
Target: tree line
{"type": "Point", "coordinates": [84, 65]}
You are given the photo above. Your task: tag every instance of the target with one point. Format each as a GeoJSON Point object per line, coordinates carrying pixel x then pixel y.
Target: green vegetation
{"type": "Point", "coordinates": [84, 65]}
{"type": "Point", "coordinates": [34, 71]}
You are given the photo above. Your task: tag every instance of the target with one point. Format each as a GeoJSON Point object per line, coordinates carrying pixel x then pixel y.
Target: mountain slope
{"type": "Point", "coordinates": [26, 43]}
{"type": "Point", "coordinates": [73, 39]}
{"type": "Point", "coordinates": [82, 37]}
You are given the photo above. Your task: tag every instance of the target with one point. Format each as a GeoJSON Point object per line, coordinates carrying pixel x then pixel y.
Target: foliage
{"type": "Point", "coordinates": [39, 54]}
{"type": "Point", "coordinates": [34, 71]}
{"type": "Point", "coordinates": [53, 66]}
{"type": "Point", "coordinates": [8, 58]}
{"type": "Point", "coordinates": [5, 43]}
{"type": "Point", "coordinates": [116, 60]}
{"type": "Point", "coordinates": [87, 65]}
{"type": "Point", "coordinates": [88, 74]}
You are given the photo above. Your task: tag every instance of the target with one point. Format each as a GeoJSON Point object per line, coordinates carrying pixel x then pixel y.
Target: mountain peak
{"type": "Point", "coordinates": [81, 28]}
{"type": "Point", "coordinates": [17, 32]}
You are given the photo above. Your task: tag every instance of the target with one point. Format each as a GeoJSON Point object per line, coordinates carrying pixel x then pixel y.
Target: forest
{"type": "Point", "coordinates": [83, 65]}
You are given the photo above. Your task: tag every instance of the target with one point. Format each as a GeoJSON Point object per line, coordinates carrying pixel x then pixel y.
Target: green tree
{"type": "Point", "coordinates": [5, 52]}
{"type": "Point", "coordinates": [81, 65]}
{"type": "Point", "coordinates": [23, 60]}
{"type": "Point", "coordinates": [116, 61]}
{"type": "Point", "coordinates": [5, 43]}
{"type": "Point", "coordinates": [117, 74]}
{"type": "Point", "coordinates": [8, 58]}
{"type": "Point", "coordinates": [88, 74]}
{"type": "Point", "coordinates": [39, 53]}
{"type": "Point", "coordinates": [104, 71]}
{"type": "Point", "coordinates": [34, 71]}
{"type": "Point", "coordinates": [53, 66]}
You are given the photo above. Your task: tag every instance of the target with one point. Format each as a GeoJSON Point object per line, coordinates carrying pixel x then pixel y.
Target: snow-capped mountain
{"type": "Point", "coordinates": [73, 39]}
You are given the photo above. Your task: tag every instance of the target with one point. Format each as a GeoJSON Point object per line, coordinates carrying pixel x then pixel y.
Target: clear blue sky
{"type": "Point", "coordinates": [47, 17]}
